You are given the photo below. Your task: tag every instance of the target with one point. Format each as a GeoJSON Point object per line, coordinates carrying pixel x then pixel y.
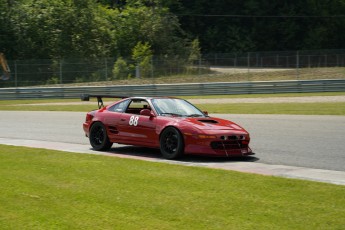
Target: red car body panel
{"type": "Point", "coordinates": [201, 135]}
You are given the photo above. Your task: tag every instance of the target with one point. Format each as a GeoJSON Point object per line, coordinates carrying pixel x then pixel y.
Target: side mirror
{"type": "Point", "coordinates": [147, 112]}
{"type": "Point", "coordinates": [205, 112]}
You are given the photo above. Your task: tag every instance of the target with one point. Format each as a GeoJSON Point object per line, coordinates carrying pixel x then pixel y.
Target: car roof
{"type": "Point", "coordinates": [154, 97]}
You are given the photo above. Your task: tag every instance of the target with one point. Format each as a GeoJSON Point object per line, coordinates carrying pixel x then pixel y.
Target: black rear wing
{"type": "Point", "coordinates": [86, 97]}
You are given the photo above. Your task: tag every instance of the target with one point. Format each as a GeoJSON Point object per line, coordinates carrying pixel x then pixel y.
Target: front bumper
{"type": "Point", "coordinates": [217, 145]}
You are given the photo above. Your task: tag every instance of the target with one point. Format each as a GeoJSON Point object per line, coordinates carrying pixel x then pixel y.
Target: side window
{"type": "Point", "coordinates": [119, 107]}
{"type": "Point", "coordinates": [136, 106]}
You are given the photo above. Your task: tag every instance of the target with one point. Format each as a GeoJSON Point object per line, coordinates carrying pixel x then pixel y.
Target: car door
{"type": "Point", "coordinates": [138, 129]}
{"type": "Point", "coordinates": [112, 118]}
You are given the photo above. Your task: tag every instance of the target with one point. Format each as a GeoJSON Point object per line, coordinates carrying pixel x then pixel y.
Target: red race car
{"type": "Point", "coordinates": [173, 125]}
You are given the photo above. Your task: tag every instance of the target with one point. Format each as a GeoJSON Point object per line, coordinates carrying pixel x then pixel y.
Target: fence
{"type": "Point", "coordinates": [252, 66]}
{"type": "Point", "coordinates": [287, 59]}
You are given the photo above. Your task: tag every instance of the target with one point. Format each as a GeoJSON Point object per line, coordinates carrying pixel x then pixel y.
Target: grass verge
{"type": "Point", "coordinates": [42, 189]}
{"type": "Point", "coordinates": [264, 95]}
{"type": "Point", "coordinates": [329, 108]}
{"type": "Point", "coordinates": [336, 108]}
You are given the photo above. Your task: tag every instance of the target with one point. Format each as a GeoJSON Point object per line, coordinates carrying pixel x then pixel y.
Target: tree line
{"type": "Point", "coordinates": [264, 25]}
{"type": "Point", "coordinates": [41, 29]}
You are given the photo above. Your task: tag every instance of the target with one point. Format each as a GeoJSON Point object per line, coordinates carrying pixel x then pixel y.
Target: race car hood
{"type": "Point", "coordinates": [211, 123]}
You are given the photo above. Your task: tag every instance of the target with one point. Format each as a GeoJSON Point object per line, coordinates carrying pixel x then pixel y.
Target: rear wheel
{"type": "Point", "coordinates": [98, 137]}
{"type": "Point", "coordinates": [171, 143]}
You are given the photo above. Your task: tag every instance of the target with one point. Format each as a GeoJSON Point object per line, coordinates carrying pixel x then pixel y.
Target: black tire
{"type": "Point", "coordinates": [98, 137]}
{"type": "Point", "coordinates": [171, 143]}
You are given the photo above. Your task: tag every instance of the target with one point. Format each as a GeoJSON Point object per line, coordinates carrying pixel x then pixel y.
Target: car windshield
{"type": "Point", "coordinates": [175, 107]}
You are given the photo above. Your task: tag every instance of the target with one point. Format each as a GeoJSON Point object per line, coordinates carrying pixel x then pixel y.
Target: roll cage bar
{"type": "Point", "coordinates": [86, 97]}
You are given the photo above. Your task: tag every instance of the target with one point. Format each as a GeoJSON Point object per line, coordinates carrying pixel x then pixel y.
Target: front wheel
{"type": "Point", "coordinates": [171, 143]}
{"type": "Point", "coordinates": [98, 137]}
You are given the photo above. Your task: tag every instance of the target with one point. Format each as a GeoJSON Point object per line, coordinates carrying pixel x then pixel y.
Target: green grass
{"type": "Point", "coordinates": [68, 108]}
{"type": "Point", "coordinates": [44, 101]}
{"type": "Point", "coordinates": [43, 189]}
{"type": "Point", "coordinates": [336, 108]}
{"type": "Point", "coordinates": [35, 101]}
{"type": "Point", "coordinates": [266, 95]}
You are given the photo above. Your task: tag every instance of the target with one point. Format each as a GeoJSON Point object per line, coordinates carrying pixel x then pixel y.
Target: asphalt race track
{"type": "Point", "coordinates": [315, 142]}
{"type": "Point", "coordinates": [296, 140]}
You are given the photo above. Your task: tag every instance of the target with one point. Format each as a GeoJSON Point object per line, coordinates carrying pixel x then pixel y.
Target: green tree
{"type": "Point", "coordinates": [7, 35]}
{"type": "Point", "coordinates": [254, 25]}
{"type": "Point", "coordinates": [142, 56]}
{"type": "Point", "coordinates": [195, 52]}
{"type": "Point", "coordinates": [121, 69]}
{"type": "Point", "coordinates": [58, 29]}
{"type": "Point", "coordinates": [142, 24]}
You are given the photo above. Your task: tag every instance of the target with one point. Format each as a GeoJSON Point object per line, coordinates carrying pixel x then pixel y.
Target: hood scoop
{"type": "Point", "coordinates": [208, 121]}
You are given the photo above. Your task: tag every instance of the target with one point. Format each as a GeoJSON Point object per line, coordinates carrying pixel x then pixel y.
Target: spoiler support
{"type": "Point", "coordinates": [86, 97]}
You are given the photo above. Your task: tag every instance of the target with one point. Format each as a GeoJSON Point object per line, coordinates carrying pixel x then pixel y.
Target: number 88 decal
{"type": "Point", "coordinates": [134, 120]}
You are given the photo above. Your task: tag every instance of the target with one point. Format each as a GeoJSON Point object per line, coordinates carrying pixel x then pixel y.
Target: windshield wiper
{"type": "Point", "coordinates": [194, 115]}
{"type": "Point", "coordinates": [173, 114]}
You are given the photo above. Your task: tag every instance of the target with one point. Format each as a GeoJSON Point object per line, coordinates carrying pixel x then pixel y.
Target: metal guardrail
{"type": "Point", "coordinates": [191, 89]}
